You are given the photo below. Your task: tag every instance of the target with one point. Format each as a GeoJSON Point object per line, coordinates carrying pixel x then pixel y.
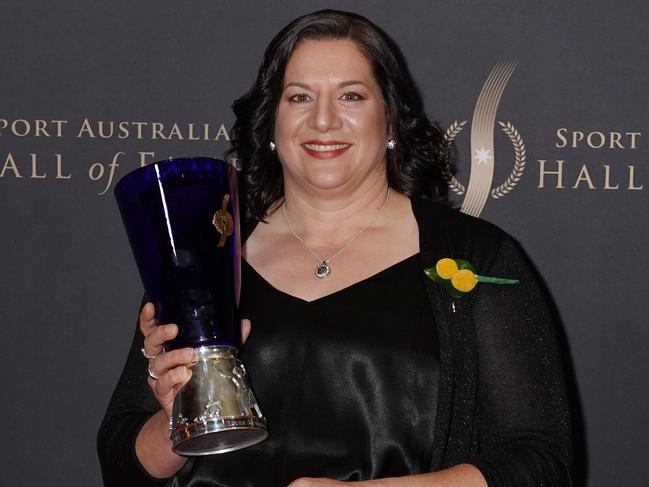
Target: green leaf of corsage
{"type": "Point", "coordinates": [459, 276]}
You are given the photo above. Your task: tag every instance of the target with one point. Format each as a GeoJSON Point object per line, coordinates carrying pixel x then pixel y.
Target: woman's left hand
{"type": "Point", "coordinates": [316, 482]}
{"type": "Point", "coordinates": [463, 475]}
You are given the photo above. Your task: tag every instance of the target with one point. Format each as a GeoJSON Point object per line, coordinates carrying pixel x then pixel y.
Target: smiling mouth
{"type": "Point", "coordinates": [322, 150]}
{"type": "Point", "coordinates": [325, 148]}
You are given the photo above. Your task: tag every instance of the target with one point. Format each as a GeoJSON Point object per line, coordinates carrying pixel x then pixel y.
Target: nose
{"type": "Point", "coordinates": [325, 116]}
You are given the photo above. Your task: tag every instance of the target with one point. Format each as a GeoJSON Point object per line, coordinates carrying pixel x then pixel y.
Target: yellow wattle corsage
{"type": "Point", "coordinates": [459, 276]}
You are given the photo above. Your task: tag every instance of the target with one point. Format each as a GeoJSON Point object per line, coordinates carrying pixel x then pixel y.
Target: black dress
{"type": "Point", "coordinates": [348, 383]}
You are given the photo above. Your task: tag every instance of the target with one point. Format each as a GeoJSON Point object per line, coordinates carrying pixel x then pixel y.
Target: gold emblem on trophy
{"type": "Point", "coordinates": [222, 221]}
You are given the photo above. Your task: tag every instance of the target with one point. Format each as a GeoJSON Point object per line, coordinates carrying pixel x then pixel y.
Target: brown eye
{"type": "Point", "coordinates": [351, 96]}
{"type": "Point", "coordinates": [300, 98]}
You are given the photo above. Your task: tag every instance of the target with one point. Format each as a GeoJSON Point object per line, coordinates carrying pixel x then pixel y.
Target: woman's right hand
{"type": "Point", "coordinates": [152, 445]}
{"type": "Point", "coordinates": [173, 368]}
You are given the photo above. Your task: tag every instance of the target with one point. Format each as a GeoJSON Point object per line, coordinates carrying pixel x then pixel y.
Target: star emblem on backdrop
{"type": "Point", "coordinates": [482, 155]}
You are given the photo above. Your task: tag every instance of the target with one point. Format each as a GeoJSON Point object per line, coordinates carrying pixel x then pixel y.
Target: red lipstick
{"type": "Point", "coordinates": [325, 150]}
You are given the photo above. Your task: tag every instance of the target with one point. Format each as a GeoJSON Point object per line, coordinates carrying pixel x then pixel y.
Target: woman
{"type": "Point", "coordinates": [364, 368]}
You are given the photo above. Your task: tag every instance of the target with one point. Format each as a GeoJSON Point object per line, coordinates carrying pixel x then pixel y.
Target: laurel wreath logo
{"type": "Point", "coordinates": [450, 134]}
{"type": "Point", "coordinates": [520, 156]}
{"type": "Point", "coordinates": [519, 164]}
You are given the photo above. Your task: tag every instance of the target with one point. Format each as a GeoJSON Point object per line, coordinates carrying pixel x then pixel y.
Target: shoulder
{"type": "Point", "coordinates": [450, 232]}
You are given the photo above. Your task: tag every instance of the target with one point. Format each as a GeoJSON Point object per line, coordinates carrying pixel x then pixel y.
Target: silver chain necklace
{"type": "Point", "coordinates": [323, 269]}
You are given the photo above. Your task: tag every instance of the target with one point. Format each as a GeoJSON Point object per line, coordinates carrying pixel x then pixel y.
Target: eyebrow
{"type": "Point", "coordinates": [342, 84]}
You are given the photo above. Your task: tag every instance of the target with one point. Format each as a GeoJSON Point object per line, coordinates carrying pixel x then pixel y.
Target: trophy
{"type": "Point", "coordinates": [182, 220]}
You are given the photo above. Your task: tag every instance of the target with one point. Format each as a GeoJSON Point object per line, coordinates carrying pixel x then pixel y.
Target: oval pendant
{"type": "Point", "coordinates": [322, 270]}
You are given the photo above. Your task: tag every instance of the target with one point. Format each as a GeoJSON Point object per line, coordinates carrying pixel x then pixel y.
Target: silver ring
{"type": "Point", "coordinates": [152, 374]}
{"type": "Point", "coordinates": [150, 357]}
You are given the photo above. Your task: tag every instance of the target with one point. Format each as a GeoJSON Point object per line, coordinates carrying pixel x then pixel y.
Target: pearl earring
{"type": "Point", "coordinates": [272, 146]}
{"type": "Point", "coordinates": [392, 144]}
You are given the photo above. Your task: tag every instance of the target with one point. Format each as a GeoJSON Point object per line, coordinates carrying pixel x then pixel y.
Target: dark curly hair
{"type": "Point", "coordinates": [413, 167]}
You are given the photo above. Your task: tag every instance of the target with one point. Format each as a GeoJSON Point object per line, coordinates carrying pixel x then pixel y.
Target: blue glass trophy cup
{"type": "Point", "coordinates": [182, 220]}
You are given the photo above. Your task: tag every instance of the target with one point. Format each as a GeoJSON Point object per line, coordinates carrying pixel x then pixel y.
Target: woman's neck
{"type": "Point", "coordinates": [332, 217]}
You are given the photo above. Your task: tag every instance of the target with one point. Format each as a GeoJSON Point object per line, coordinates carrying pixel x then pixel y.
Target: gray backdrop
{"type": "Point", "coordinates": [69, 290]}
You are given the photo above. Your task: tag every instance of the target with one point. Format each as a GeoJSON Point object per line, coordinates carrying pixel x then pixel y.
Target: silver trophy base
{"type": "Point", "coordinates": [216, 411]}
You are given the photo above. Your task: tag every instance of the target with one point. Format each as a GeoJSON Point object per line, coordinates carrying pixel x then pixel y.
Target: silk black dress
{"type": "Point", "coordinates": [347, 382]}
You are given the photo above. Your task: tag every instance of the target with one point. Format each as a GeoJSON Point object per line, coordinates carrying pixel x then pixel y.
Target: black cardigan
{"type": "Point", "coordinates": [502, 403]}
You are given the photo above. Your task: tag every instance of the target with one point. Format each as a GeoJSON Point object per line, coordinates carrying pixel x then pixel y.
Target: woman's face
{"type": "Point", "coordinates": [331, 128]}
